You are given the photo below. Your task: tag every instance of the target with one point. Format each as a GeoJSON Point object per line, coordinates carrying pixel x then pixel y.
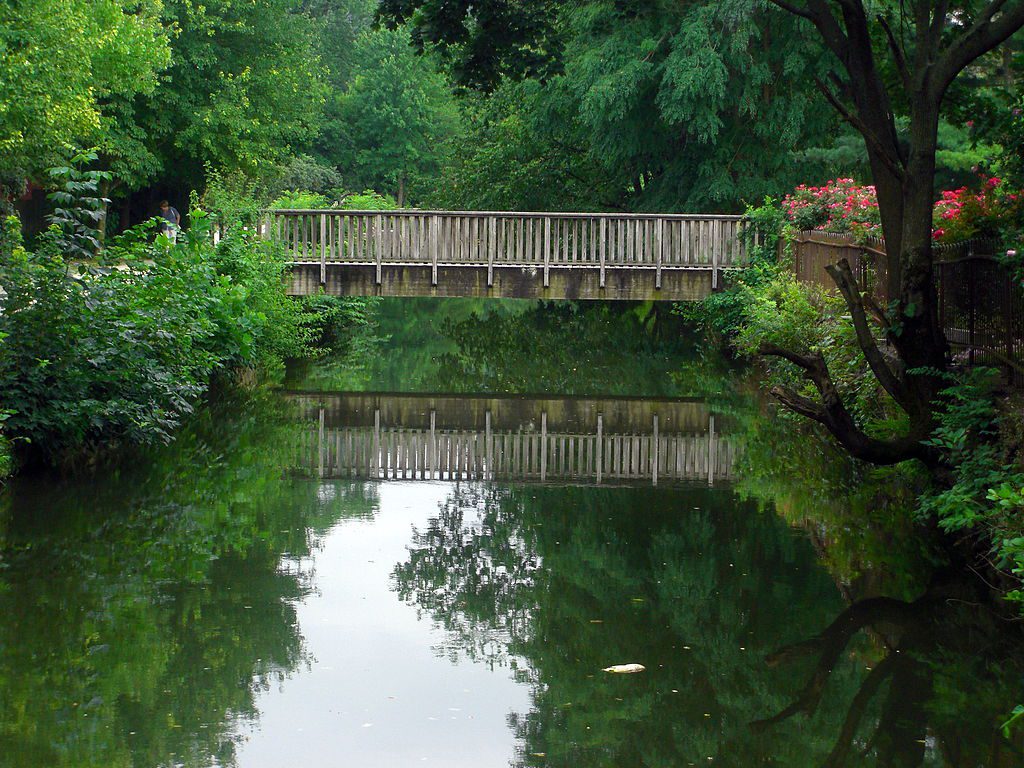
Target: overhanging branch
{"type": "Point", "coordinates": [890, 381]}
{"type": "Point", "coordinates": [892, 163]}
{"type": "Point", "coordinates": [833, 414]}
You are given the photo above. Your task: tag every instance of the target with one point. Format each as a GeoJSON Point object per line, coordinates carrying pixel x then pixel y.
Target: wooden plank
{"type": "Point", "coordinates": [547, 251]}
{"type": "Point", "coordinates": [659, 233]}
{"type": "Point", "coordinates": [492, 228]}
{"type": "Point", "coordinates": [714, 260]}
{"type": "Point", "coordinates": [378, 237]}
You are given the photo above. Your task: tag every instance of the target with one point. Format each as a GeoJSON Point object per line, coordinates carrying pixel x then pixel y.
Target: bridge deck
{"type": "Point", "coordinates": [667, 257]}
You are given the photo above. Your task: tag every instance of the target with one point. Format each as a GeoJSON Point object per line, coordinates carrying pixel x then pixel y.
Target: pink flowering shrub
{"type": "Point", "coordinates": [844, 207]}
{"type": "Point", "coordinates": [962, 214]}
{"type": "Point", "coordinates": [841, 206]}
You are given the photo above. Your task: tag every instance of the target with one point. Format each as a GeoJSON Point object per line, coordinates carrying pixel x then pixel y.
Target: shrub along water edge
{"type": "Point", "coordinates": [977, 494]}
{"type": "Point", "coordinates": [114, 346]}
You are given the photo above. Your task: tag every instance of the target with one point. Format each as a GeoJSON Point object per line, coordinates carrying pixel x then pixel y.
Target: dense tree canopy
{"type": "Point", "coordinates": [60, 62]}
{"type": "Point", "coordinates": [396, 122]}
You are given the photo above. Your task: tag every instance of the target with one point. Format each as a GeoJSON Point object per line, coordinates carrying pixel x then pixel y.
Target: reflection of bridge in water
{"type": "Point", "coordinates": [563, 440]}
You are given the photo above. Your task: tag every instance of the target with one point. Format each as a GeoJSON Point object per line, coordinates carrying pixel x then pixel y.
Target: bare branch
{"type": "Point", "coordinates": [844, 279]}
{"type": "Point", "coordinates": [897, 53]}
{"type": "Point", "coordinates": [833, 414]}
{"type": "Point", "coordinates": [892, 163]}
{"type": "Point", "coordinates": [999, 20]}
{"type": "Point", "coordinates": [795, 10]}
{"type": "Point", "coordinates": [819, 14]}
{"type": "Point", "coordinates": [800, 404]}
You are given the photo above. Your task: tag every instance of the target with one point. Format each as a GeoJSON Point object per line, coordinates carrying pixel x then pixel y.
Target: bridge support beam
{"type": "Point", "coordinates": [497, 281]}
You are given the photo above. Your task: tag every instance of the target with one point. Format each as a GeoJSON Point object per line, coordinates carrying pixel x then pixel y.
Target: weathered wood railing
{"type": "Point", "coordinates": [494, 240]}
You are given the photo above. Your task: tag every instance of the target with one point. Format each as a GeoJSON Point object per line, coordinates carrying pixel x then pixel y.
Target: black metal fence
{"type": "Point", "coordinates": [980, 299]}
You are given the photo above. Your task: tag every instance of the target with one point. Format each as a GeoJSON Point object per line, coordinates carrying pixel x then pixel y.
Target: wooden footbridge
{"type": "Point", "coordinates": [670, 257]}
{"type": "Point", "coordinates": [532, 440]}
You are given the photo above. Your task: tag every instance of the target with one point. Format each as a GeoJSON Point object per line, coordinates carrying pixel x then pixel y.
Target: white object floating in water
{"type": "Point", "coordinates": [625, 669]}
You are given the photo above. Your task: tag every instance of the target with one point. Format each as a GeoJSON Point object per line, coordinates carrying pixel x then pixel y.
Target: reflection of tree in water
{"type": "Point", "coordinates": [469, 570]}
{"type": "Point", "coordinates": [944, 666]}
{"type": "Point", "coordinates": [566, 348]}
{"type": "Point", "coordinates": [947, 669]}
{"type": "Point", "coordinates": [689, 583]}
{"type": "Point", "coordinates": [153, 607]}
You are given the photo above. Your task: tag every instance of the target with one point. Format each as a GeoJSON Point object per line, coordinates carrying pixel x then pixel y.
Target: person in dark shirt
{"type": "Point", "coordinates": [172, 220]}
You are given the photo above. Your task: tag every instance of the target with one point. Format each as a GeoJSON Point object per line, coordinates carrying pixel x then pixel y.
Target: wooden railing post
{"type": "Point", "coordinates": [714, 265]}
{"type": "Point", "coordinates": [659, 231]}
{"type": "Point", "coordinates": [492, 245]}
{"type": "Point", "coordinates": [543, 446]}
{"type": "Point", "coordinates": [547, 249]}
{"type": "Point", "coordinates": [654, 453]}
{"type": "Point", "coordinates": [603, 247]}
{"type": "Point", "coordinates": [378, 237]}
{"type": "Point", "coordinates": [323, 249]}
{"type": "Point", "coordinates": [712, 449]}
{"type": "Point", "coordinates": [438, 241]}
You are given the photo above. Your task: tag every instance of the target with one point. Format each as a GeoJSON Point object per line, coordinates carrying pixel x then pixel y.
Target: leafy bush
{"type": "Point", "coordinates": [117, 347]}
{"type": "Point", "coordinates": [301, 200]}
{"type": "Point", "coordinates": [305, 172]}
{"type": "Point", "coordinates": [367, 200]}
{"type": "Point", "coordinates": [721, 313]}
{"type": "Point", "coordinates": [986, 494]}
{"type": "Point", "coordinates": [336, 199]}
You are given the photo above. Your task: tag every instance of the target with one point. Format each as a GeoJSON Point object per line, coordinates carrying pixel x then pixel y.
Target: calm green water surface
{"type": "Point", "coordinates": [245, 597]}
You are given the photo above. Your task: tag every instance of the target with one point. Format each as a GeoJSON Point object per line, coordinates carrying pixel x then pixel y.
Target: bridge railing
{"type": "Point", "coordinates": [391, 453]}
{"type": "Point", "coordinates": [476, 238]}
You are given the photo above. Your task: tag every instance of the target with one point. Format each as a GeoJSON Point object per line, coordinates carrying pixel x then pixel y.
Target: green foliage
{"type": "Point", "coordinates": [519, 156]}
{"type": "Point", "coordinates": [305, 172]}
{"type": "Point", "coordinates": [722, 313]}
{"type": "Point", "coordinates": [301, 200]}
{"type": "Point", "coordinates": [367, 200]}
{"type": "Point", "coordinates": [61, 62]}
{"type": "Point", "coordinates": [243, 88]}
{"type": "Point", "coordinates": [117, 349]}
{"type": "Point", "coordinates": [675, 106]}
{"type": "Point", "coordinates": [396, 123]}
{"type": "Point", "coordinates": [985, 494]}
{"type": "Point", "coordinates": [79, 208]}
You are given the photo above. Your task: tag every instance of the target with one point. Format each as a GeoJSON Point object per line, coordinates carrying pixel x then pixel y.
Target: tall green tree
{"type": "Point", "coordinates": [396, 122]}
{"type": "Point", "coordinates": [61, 61]}
{"type": "Point", "coordinates": [929, 45]}
{"type": "Point", "coordinates": [243, 91]}
{"type": "Point", "coordinates": [669, 105]}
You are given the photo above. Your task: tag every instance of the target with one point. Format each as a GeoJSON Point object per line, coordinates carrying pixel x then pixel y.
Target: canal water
{"type": "Point", "coordinates": [430, 558]}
